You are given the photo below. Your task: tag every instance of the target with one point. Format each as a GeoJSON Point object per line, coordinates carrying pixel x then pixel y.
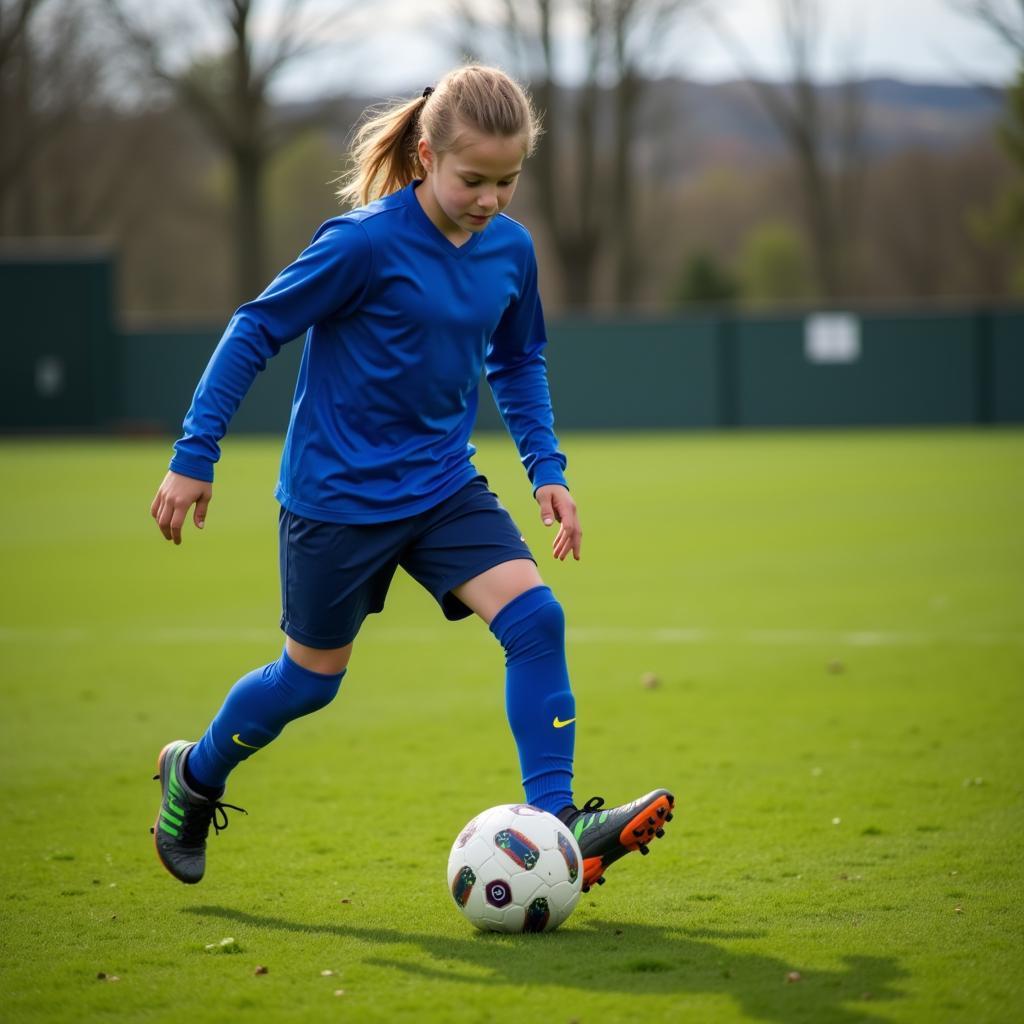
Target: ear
{"type": "Point", "coordinates": [426, 155]}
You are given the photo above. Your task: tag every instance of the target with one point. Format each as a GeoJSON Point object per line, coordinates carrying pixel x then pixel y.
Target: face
{"type": "Point", "coordinates": [465, 189]}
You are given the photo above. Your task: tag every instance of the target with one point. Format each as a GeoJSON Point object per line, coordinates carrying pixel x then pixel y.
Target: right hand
{"type": "Point", "coordinates": [177, 494]}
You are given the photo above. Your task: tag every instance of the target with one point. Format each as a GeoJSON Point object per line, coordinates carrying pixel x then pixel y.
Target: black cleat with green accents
{"type": "Point", "coordinates": [184, 819]}
{"type": "Point", "coordinates": [606, 834]}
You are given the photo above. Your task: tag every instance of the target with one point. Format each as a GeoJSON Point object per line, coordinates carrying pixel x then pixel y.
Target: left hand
{"type": "Point", "coordinates": [556, 504]}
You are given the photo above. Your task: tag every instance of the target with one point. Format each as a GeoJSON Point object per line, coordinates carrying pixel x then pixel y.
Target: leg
{"type": "Point", "coordinates": [528, 621]}
{"type": "Point", "coordinates": [192, 775]}
{"type": "Point", "coordinates": [259, 706]}
{"type": "Point", "coordinates": [471, 557]}
{"type": "Point", "coordinates": [532, 633]}
{"type": "Point", "coordinates": [332, 576]}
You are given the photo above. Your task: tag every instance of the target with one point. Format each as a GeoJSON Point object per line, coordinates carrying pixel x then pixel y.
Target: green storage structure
{"type": "Point", "coordinates": [60, 370]}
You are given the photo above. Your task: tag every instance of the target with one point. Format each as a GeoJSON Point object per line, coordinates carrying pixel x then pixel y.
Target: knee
{"type": "Point", "coordinates": [548, 621]}
{"type": "Point", "coordinates": [315, 695]}
{"type": "Point", "coordinates": [531, 624]}
{"type": "Point", "coordinates": [299, 689]}
{"type": "Point", "coordinates": [327, 662]}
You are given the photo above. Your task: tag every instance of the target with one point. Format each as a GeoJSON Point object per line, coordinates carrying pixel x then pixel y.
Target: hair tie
{"type": "Point", "coordinates": [426, 92]}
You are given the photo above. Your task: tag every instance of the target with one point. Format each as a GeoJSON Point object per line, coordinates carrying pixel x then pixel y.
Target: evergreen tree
{"type": "Point", "coordinates": [704, 280]}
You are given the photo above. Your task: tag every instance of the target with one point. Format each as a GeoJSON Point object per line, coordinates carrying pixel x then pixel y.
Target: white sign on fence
{"type": "Point", "coordinates": [832, 338]}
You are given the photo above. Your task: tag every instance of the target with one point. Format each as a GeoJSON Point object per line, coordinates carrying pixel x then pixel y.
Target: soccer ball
{"type": "Point", "coordinates": [515, 868]}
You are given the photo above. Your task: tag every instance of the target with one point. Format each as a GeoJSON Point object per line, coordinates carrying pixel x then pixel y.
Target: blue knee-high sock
{"type": "Point", "coordinates": [257, 708]}
{"type": "Point", "coordinates": [539, 702]}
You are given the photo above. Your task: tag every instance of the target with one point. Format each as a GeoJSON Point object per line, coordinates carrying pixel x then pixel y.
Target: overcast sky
{"type": "Point", "coordinates": [918, 40]}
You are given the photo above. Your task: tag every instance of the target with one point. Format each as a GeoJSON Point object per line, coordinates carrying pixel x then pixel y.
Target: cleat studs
{"type": "Point", "coordinates": [659, 832]}
{"type": "Point", "coordinates": [152, 830]}
{"type": "Point", "coordinates": [650, 821]}
{"type": "Point", "coordinates": [638, 832]}
{"type": "Point", "coordinates": [643, 849]}
{"type": "Point", "coordinates": [585, 888]}
{"type": "Point", "coordinates": [155, 777]}
{"type": "Point", "coordinates": [661, 812]}
{"type": "Point", "coordinates": [668, 817]}
{"type": "Point", "coordinates": [600, 881]}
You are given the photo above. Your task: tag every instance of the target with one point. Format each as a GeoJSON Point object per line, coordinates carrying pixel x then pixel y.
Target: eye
{"type": "Point", "coordinates": [471, 184]}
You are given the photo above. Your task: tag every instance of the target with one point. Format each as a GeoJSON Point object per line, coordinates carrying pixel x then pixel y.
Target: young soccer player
{"type": "Point", "coordinates": [403, 301]}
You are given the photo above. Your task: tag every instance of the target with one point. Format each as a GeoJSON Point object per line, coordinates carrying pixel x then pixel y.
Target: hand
{"type": "Point", "coordinates": [176, 496]}
{"type": "Point", "coordinates": [556, 504]}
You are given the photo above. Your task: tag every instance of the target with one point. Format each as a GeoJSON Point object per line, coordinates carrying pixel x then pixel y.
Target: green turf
{"type": "Point", "coordinates": [836, 622]}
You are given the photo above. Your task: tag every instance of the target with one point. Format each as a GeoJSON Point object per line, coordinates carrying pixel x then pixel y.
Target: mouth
{"type": "Point", "coordinates": [477, 218]}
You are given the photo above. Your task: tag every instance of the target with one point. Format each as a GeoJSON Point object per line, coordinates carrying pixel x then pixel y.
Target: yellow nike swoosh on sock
{"type": "Point", "coordinates": [241, 743]}
{"type": "Point", "coordinates": [559, 724]}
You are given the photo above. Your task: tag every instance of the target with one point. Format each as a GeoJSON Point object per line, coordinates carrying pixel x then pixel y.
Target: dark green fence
{"type": "Point", "coordinates": [68, 367]}
{"type": "Point", "coordinates": [60, 369]}
{"type": "Point", "coordinates": [162, 365]}
{"type": "Point", "coordinates": [917, 368]}
{"type": "Point", "coordinates": [1001, 373]}
{"type": "Point", "coordinates": [950, 368]}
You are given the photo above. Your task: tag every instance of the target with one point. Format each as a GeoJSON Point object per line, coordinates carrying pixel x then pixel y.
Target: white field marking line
{"type": "Point", "coordinates": [787, 637]}
{"type": "Point", "coordinates": [579, 635]}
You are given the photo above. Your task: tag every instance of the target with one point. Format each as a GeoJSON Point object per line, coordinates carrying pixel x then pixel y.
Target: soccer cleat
{"type": "Point", "coordinates": [184, 819]}
{"type": "Point", "coordinates": [606, 835]}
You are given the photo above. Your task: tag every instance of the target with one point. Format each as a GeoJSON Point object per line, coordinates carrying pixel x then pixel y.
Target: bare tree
{"type": "Point", "coordinates": [44, 81]}
{"type": "Point", "coordinates": [831, 164]}
{"type": "Point", "coordinates": [228, 93]}
{"type": "Point", "coordinates": [637, 27]}
{"type": "Point", "coordinates": [21, 135]}
{"type": "Point", "coordinates": [1005, 216]}
{"type": "Point", "coordinates": [1005, 18]}
{"type": "Point", "coordinates": [568, 147]}
{"type": "Point", "coordinates": [54, 97]}
{"type": "Point", "coordinates": [584, 166]}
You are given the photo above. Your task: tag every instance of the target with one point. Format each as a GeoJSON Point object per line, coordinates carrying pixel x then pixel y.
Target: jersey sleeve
{"type": "Point", "coordinates": [328, 279]}
{"type": "Point", "coordinates": [516, 371]}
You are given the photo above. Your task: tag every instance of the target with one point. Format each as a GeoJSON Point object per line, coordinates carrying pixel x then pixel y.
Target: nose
{"type": "Point", "coordinates": [487, 201]}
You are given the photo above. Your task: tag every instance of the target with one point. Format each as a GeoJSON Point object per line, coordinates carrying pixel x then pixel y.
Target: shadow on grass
{"type": "Point", "coordinates": [628, 959]}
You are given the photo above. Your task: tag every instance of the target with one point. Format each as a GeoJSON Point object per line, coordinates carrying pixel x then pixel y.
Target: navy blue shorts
{"type": "Point", "coordinates": [335, 574]}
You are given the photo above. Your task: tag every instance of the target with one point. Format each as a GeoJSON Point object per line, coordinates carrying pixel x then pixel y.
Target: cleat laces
{"type": "Point", "coordinates": [196, 826]}
{"type": "Point", "coordinates": [197, 822]}
{"type": "Point", "coordinates": [591, 807]}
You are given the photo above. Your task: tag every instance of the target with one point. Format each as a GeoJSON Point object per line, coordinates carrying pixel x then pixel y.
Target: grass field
{"type": "Point", "coordinates": [836, 622]}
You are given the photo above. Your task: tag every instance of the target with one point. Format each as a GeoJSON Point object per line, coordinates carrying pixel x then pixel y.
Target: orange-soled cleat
{"type": "Point", "coordinates": [606, 834]}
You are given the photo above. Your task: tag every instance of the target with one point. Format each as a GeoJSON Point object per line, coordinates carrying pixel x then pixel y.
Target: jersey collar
{"type": "Point", "coordinates": [430, 229]}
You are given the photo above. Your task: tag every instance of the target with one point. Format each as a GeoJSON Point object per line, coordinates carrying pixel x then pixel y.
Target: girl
{"type": "Point", "coordinates": [404, 301]}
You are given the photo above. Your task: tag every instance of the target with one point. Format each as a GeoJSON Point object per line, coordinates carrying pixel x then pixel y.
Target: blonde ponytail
{"type": "Point", "coordinates": [384, 153]}
{"type": "Point", "coordinates": [480, 98]}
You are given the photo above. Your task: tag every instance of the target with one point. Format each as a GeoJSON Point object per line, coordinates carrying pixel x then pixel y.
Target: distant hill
{"type": "Point", "coordinates": [726, 121]}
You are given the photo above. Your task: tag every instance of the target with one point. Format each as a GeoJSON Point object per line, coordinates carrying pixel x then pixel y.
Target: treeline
{"type": "Point", "coordinates": [203, 186]}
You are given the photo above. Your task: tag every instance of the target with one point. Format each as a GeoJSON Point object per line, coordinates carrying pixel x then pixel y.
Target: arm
{"type": "Point", "coordinates": [516, 371]}
{"type": "Point", "coordinates": [329, 278]}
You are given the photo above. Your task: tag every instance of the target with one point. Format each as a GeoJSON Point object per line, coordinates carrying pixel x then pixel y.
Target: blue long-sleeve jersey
{"type": "Point", "coordinates": [399, 324]}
